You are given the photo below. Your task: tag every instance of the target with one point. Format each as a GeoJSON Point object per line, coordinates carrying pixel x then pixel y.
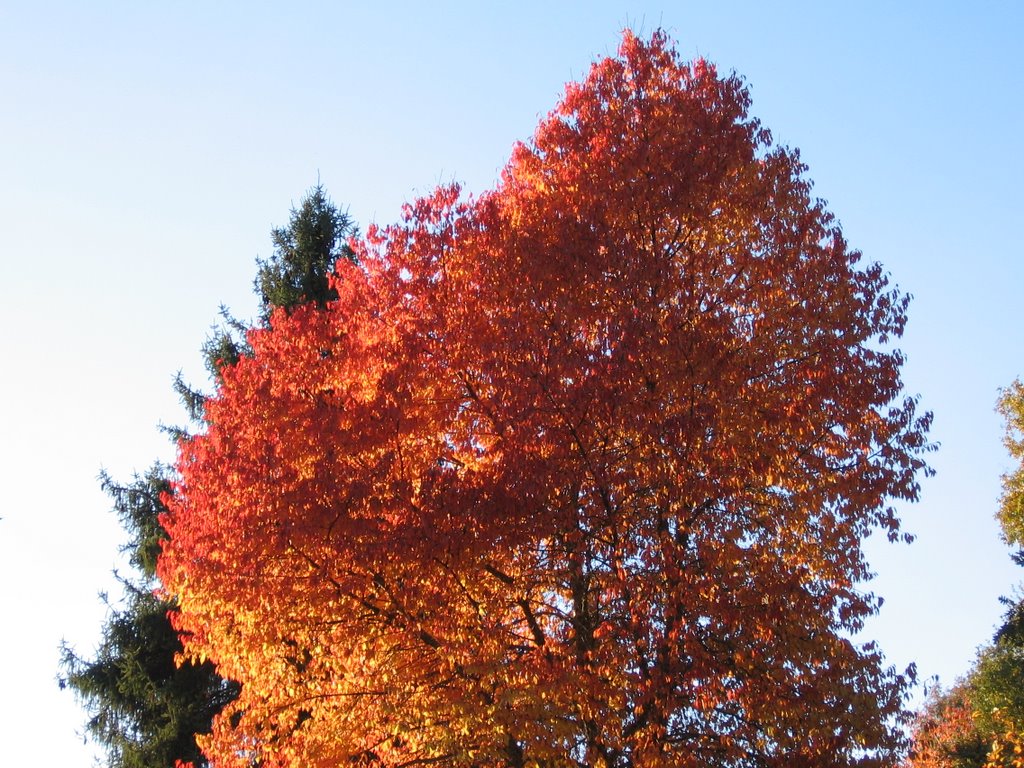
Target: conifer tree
{"type": "Point", "coordinates": [144, 709]}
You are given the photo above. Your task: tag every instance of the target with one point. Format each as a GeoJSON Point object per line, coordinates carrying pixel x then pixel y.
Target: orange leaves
{"type": "Point", "coordinates": [576, 471]}
{"type": "Point", "coordinates": [945, 734]}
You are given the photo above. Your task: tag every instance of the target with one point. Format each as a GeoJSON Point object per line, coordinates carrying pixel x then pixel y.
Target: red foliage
{"type": "Point", "coordinates": [574, 473]}
{"type": "Point", "coordinates": [945, 734]}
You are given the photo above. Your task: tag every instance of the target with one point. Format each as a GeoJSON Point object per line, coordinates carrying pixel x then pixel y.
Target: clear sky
{"type": "Point", "coordinates": [146, 149]}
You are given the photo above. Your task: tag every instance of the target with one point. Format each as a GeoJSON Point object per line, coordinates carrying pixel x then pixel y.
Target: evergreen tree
{"type": "Point", "coordinates": [304, 255]}
{"type": "Point", "coordinates": [142, 707]}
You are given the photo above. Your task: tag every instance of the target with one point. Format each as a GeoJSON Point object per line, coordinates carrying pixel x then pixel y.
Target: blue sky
{"type": "Point", "coordinates": [147, 149]}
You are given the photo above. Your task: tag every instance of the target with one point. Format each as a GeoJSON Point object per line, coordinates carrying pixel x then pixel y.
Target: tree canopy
{"type": "Point", "coordinates": [573, 473]}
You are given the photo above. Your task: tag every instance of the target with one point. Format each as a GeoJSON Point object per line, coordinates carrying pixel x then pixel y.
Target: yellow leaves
{"type": "Point", "coordinates": [1011, 506]}
{"type": "Point", "coordinates": [1007, 749]}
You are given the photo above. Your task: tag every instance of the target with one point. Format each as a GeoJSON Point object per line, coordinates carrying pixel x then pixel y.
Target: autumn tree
{"type": "Point", "coordinates": [997, 689]}
{"type": "Point", "coordinates": [145, 709]}
{"type": "Point", "coordinates": [987, 707]}
{"type": "Point", "coordinates": [945, 732]}
{"type": "Point", "coordinates": [573, 473]}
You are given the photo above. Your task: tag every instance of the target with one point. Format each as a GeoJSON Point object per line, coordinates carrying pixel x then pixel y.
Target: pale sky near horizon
{"type": "Point", "coordinates": [146, 150]}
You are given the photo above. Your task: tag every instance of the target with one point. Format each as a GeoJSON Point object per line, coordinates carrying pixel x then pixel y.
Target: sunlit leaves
{"type": "Point", "coordinates": [1011, 508]}
{"type": "Point", "coordinates": [575, 472]}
